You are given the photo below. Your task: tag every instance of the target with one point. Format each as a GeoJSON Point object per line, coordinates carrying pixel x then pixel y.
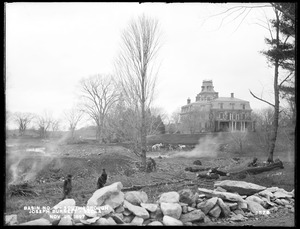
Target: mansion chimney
{"type": "Point", "coordinates": [232, 95]}
{"type": "Point", "coordinates": [188, 101]}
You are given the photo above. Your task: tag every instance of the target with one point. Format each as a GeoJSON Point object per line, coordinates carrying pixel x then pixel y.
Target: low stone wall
{"type": "Point", "coordinates": [230, 201]}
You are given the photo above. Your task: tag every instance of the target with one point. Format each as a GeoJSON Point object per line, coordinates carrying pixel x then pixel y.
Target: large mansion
{"type": "Point", "coordinates": [211, 113]}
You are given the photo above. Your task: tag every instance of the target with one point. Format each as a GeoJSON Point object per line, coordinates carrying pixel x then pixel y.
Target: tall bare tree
{"type": "Point", "coordinates": [135, 67]}
{"type": "Point", "coordinates": [73, 116]}
{"type": "Point", "coordinates": [55, 123]}
{"type": "Point", "coordinates": [98, 93]}
{"type": "Point", "coordinates": [22, 119]}
{"type": "Point", "coordinates": [44, 122]}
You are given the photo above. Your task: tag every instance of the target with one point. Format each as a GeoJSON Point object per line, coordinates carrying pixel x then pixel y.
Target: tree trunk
{"type": "Point", "coordinates": [257, 170]}
{"type": "Point", "coordinates": [143, 126]}
{"type": "Point", "coordinates": [276, 94]}
{"type": "Point", "coordinates": [241, 147]}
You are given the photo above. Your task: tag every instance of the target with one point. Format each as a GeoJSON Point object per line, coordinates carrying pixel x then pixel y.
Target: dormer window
{"type": "Point", "coordinates": [232, 106]}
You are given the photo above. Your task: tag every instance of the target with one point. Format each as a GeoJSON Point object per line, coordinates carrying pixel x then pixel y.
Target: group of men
{"type": "Point", "coordinates": [67, 187]}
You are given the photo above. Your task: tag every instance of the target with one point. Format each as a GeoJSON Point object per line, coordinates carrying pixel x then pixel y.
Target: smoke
{"type": "Point", "coordinates": [25, 163]}
{"type": "Point", "coordinates": [207, 146]}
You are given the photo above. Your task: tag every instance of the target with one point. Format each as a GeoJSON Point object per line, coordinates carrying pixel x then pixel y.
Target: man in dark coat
{"type": "Point", "coordinates": [67, 188]}
{"type": "Point", "coordinates": [102, 180]}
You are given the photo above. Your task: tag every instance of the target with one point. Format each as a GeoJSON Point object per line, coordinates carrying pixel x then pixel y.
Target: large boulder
{"type": "Point", "coordinates": [267, 194]}
{"type": "Point", "coordinates": [171, 209]}
{"type": "Point", "coordinates": [169, 197]}
{"type": "Point", "coordinates": [129, 218]}
{"type": "Point", "coordinates": [282, 194]}
{"type": "Point", "coordinates": [149, 207]}
{"type": "Point", "coordinates": [207, 205]}
{"type": "Point", "coordinates": [243, 205]}
{"type": "Point", "coordinates": [65, 204]}
{"type": "Point", "coordinates": [78, 214]}
{"type": "Point", "coordinates": [267, 203]}
{"type": "Point", "coordinates": [224, 208]}
{"type": "Point", "coordinates": [102, 194]}
{"type": "Point", "coordinates": [223, 195]}
{"type": "Point", "coordinates": [90, 221]}
{"type": "Point", "coordinates": [103, 221]}
{"type": "Point", "coordinates": [136, 197]}
{"type": "Point", "coordinates": [192, 216]}
{"type": "Point", "coordinates": [111, 221]}
{"type": "Point", "coordinates": [115, 200]}
{"type": "Point", "coordinates": [118, 218]}
{"type": "Point", "coordinates": [255, 199]}
{"type": "Point", "coordinates": [90, 212]}
{"type": "Point", "coordinates": [136, 210]}
{"type": "Point", "coordinates": [238, 217]}
{"type": "Point", "coordinates": [231, 205]}
{"type": "Point", "coordinates": [158, 214]}
{"type": "Point", "coordinates": [215, 211]}
{"type": "Point", "coordinates": [105, 210]}
{"type": "Point", "coordinates": [255, 207]}
{"type": "Point", "coordinates": [170, 221]}
{"type": "Point", "coordinates": [66, 220]}
{"type": "Point", "coordinates": [63, 208]}
{"type": "Point", "coordinates": [187, 196]}
{"type": "Point", "coordinates": [137, 221]}
{"type": "Point", "coordinates": [119, 209]}
{"type": "Point", "coordinates": [40, 221]}
{"type": "Point", "coordinates": [155, 223]}
{"type": "Point", "coordinates": [241, 187]}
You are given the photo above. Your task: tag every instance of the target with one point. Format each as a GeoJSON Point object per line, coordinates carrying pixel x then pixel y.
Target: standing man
{"type": "Point", "coordinates": [67, 188]}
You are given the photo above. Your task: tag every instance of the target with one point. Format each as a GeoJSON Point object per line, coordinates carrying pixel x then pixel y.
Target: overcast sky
{"type": "Point", "coordinates": [51, 46]}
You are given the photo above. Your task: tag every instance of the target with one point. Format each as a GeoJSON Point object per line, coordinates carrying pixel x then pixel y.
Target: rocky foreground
{"type": "Point", "coordinates": [231, 201]}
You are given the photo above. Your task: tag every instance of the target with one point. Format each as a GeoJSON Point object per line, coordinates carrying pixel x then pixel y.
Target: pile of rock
{"type": "Point", "coordinates": [231, 200]}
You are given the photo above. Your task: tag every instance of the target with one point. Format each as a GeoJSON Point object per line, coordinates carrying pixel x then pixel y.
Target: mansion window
{"type": "Point", "coordinates": [221, 115]}
{"type": "Point", "coordinates": [232, 106]}
{"type": "Point", "coordinates": [221, 105]}
{"type": "Point", "coordinates": [243, 105]}
{"type": "Point", "coordinates": [234, 116]}
{"type": "Point", "coordinates": [243, 116]}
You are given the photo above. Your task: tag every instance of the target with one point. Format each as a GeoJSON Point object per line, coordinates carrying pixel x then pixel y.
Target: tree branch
{"type": "Point", "coordinates": [261, 99]}
{"type": "Point", "coordinates": [285, 79]}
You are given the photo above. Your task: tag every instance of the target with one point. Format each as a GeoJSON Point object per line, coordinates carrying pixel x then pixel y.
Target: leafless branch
{"type": "Point", "coordinates": [261, 99]}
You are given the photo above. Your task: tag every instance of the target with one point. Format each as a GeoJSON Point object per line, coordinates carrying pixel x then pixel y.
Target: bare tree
{"type": "Point", "coordinates": [175, 119]}
{"type": "Point", "coordinates": [22, 120]}
{"type": "Point", "coordinates": [192, 120]}
{"type": "Point", "coordinates": [135, 66]}
{"type": "Point", "coordinates": [54, 126]}
{"type": "Point", "coordinates": [98, 94]}
{"type": "Point", "coordinates": [239, 137]}
{"type": "Point", "coordinates": [264, 119]}
{"type": "Point", "coordinates": [73, 116]}
{"type": "Point", "coordinates": [44, 122]}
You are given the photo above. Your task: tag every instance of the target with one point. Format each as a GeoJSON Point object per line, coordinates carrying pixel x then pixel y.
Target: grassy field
{"type": "Point", "coordinates": [85, 162]}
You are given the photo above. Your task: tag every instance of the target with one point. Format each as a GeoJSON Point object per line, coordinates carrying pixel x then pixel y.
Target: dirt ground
{"type": "Point", "coordinates": [86, 161]}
